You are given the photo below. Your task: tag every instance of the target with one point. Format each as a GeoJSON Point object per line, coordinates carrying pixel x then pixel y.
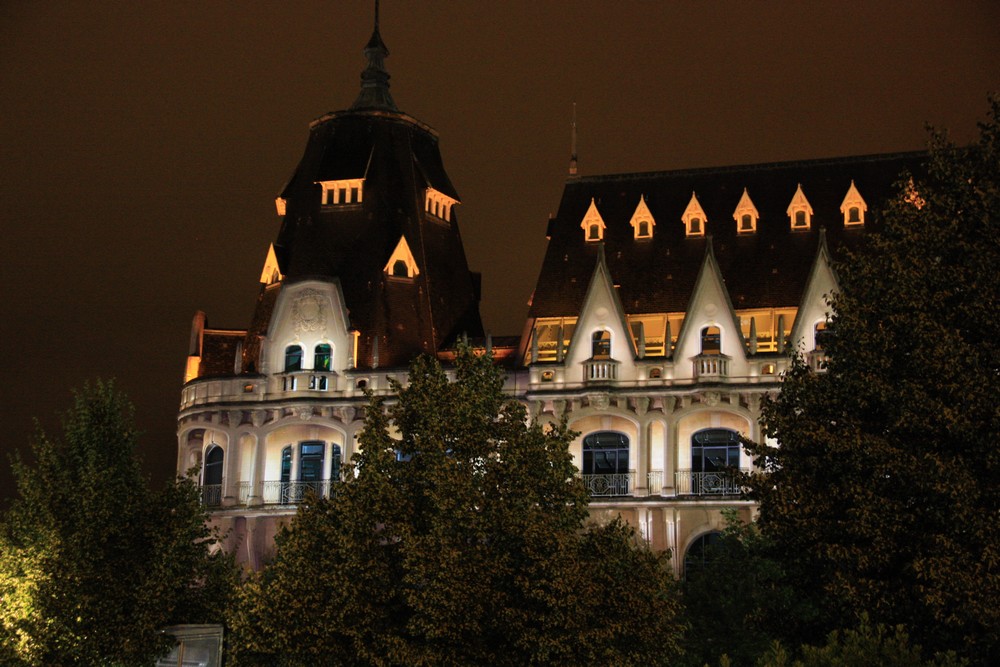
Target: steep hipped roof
{"type": "Point", "coordinates": [766, 268]}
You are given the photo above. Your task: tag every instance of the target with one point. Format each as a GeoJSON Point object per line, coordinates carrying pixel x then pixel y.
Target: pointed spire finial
{"type": "Point", "coordinates": [375, 79]}
{"type": "Point", "coordinates": [572, 154]}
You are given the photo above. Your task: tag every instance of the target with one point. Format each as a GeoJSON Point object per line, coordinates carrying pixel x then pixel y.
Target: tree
{"type": "Point", "coordinates": [93, 564]}
{"type": "Point", "coordinates": [883, 493]}
{"type": "Point", "coordinates": [460, 540]}
{"type": "Point", "coordinates": [738, 599]}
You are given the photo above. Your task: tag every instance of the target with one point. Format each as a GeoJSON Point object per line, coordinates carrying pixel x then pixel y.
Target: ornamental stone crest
{"type": "Point", "coordinates": [307, 312]}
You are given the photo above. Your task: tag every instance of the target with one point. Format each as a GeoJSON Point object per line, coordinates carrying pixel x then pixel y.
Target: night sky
{"type": "Point", "coordinates": [142, 144]}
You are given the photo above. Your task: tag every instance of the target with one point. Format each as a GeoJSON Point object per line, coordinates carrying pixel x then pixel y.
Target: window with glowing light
{"type": "Point", "coordinates": [601, 345]}
{"type": "Point", "coordinates": [323, 357]}
{"type": "Point", "coordinates": [711, 340]}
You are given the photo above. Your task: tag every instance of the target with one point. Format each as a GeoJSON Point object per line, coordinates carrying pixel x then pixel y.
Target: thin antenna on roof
{"type": "Point", "coordinates": [572, 155]}
{"type": "Point", "coordinates": [376, 15]}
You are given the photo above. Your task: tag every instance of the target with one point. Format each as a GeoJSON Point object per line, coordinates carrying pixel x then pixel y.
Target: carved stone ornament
{"type": "Point", "coordinates": [304, 413]}
{"type": "Point", "coordinates": [600, 401]}
{"type": "Point", "coordinates": [711, 398]}
{"type": "Point", "coordinates": [259, 417]}
{"type": "Point", "coordinates": [307, 311]}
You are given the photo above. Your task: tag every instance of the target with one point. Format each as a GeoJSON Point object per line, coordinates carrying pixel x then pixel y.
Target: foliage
{"type": "Point", "coordinates": [861, 647]}
{"type": "Point", "coordinates": [93, 564]}
{"type": "Point", "coordinates": [883, 494]}
{"type": "Point", "coordinates": [738, 599]}
{"type": "Point", "coordinates": [460, 541]}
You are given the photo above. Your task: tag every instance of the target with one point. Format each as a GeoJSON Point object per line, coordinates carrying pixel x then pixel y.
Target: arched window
{"type": "Point", "coordinates": [605, 453]}
{"type": "Point", "coordinates": [399, 269]}
{"type": "Point", "coordinates": [286, 464]}
{"type": "Point", "coordinates": [696, 225]}
{"type": "Point", "coordinates": [746, 223]}
{"type": "Point", "coordinates": [800, 219]}
{"type": "Point", "coordinates": [822, 334]}
{"type": "Point", "coordinates": [213, 466]}
{"type": "Point", "coordinates": [854, 214]}
{"type": "Point", "coordinates": [601, 345]}
{"type": "Point", "coordinates": [711, 340]}
{"type": "Point", "coordinates": [594, 233]}
{"type": "Point", "coordinates": [643, 229]}
{"type": "Point", "coordinates": [335, 457]}
{"type": "Point", "coordinates": [715, 450]}
{"type": "Point", "coordinates": [701, 552]}
{"type": "Point", "coordinates": [293, 358]}
{"type": "Point", "coordinates": [322, 359]}
{"type": "Point", "coordinates": [311, 465]}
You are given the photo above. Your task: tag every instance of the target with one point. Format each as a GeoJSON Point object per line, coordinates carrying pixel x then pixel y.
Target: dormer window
{"type": "Point", "coordinates": [401, 263]}
{"type": "Point", "coordinates": [800, 211]}
{"type": "Point", "coordinates": [746, 215]}
{"type": "Point", "coordinates": [293, 358]}
{"type": "Point", "coordinates": [711, 340]}
{"type": "Point", "coordinates": [642, 220]}
{"type": "Point", "coordinates": [694, 218]}
{"type": "Point", "coordinates": [337, 193]}
{"type": "Point", "coordinates": [438, 204]}
{"type": "Point", "coordinates": [853, 207]}
{"type": "Point", "coordinates": [593, 223]}
{"type": "Point", "coordinates": [601, 345]}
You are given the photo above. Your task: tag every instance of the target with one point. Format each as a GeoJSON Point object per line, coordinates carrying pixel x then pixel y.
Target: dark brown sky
{"type": "Point", "coordinates": [142, 144]}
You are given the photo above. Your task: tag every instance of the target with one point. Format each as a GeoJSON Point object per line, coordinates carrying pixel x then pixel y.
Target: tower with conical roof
{"type": "Point", "coordinates": [367, 271]}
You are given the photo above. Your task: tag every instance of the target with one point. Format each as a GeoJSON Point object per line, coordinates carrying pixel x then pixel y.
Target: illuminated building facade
{"type": "Point", "coordinates": [663, 314]}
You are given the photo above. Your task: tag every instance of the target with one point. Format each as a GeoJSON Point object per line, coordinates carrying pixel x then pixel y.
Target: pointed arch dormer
{"type": "Point", "coordinates": [711, 336]}
{"type": "Point", "coordinates": [746, 215]}
{"type": "Point", "coordinates": [271, 273]}
{"type": "Point", "coordinates": [799, 211]}
{"type": "Point", "coordinates": [814, 306]}
{"type": "Point", "coordinates": [401, 263]}
{"type": "Point", "coordinates": [592, 224]}
{"type": "Point", "coordinates": [853, 207]}
{"type": "Point", "coordinates": [694, 218]}
{"type": "Point", "coordinates": [438, 204]}
{"type": "Point", "coordinates": [601, 342]}
{"type": "Point", "coordinates": [642, 220]}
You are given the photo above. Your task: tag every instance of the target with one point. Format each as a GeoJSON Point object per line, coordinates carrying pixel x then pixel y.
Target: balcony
{"type": "Point", "coordinates": [719, 483]}
{"type": "Point", "coordinates": [817, 360]}
{"type": "Point", "coordinates": [211, 495]}
{"type": "Point", "coordinates": [308, 380]}
{"type": "Point", "coordinates": [600, 370]}
{"type": "Point", "coordinates": [711, 366]}
{"type": "Point", "coordinates": [609, 486]}
{"type": "Point", "coordinates": [654, 482]}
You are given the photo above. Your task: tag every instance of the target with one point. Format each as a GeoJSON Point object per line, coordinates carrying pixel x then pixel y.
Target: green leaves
{"type": "Point", "coordinates": [882, 495]}
{"type": "Point", "coordinates": [93, 564]}
{"type": "Point", "coordinates": [460, 541]}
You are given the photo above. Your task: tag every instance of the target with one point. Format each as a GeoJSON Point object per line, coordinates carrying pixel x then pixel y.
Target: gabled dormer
{"type": "Point", "coordinates": [710, 335]}
{"type": "Point", "coordinates": [694, 218]}
{"type": "Point", "coordinates": [799, 211]}
{"type": "Point", "coordinates": [271, 273]}
{"type": "Point", "coordinates": [338, 193]}
{"type": "Point", "coordinates": [401, 263]}
{"type": "Point", "coordinates": [814, 309]}
{"type": "Point", "coordinates": [438, 204]}
{"type": "Point", "coordinates": [592, 224]}
{"type": "Point", "coordinates": [746, 215]}
{"type": "Point", "coordinates": [601, 341]}
{"type": "Point", "coordinates": [642, 220]}
{"type": "Point", "coordinates": [853, 207]}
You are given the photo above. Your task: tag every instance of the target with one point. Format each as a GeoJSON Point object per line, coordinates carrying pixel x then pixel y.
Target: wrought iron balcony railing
{"type": "Point", "coordinates": [211, 495]}
{"type": "Point", "coordinates": [291, 493]}
{"type": "Point", "coordinates": [654, 481]}
{"type": "Point", "coordinates": [607, 486]}
{"type": "Point", "coordinates": [719, 483]}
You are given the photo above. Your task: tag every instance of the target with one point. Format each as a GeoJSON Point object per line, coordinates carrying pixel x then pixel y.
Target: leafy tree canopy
{"type": "Point", "coordinates": [93, 564]}
{"type": "Point", "coordinates": [883, 494]}
{"type": "Point", "coordinates": [460, 541]}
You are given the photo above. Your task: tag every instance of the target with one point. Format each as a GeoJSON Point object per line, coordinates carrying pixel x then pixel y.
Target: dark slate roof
{"type": "Point", "coordinates": [768, 268]}
{"type": "Point", "coordinates": [218, 351]}
{"type": "Point", "coordinates": [399, 158]}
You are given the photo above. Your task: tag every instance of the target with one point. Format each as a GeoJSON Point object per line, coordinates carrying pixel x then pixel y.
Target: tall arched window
{"type": "Point", "coordinates": [335, 456]}
{"type": "Point", "coordinates": [322, 357]}
{"type": "Point", "coordinates": [293, 358]}
{"type": "Point", "coordinates": [286, 495]}
{"type": "Point", "coordinates": [605, 453]}
{"type": "Point", "coordinates": [822, 334]}
{"type": "Point", "coordinates": [601, 346]}
{"type": "Point", "coordinates": [213, 466]}
{"type": "Point", "coordinates": [399, 269]}
{"type": "Point", "coordinates": [700, 553]}
{"type": "Point", "coordinates": [311, 466]}
{"type": "Point", "coordinates": [711, 340]}
{"type": "Point", "coordinates": [715, 450]}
